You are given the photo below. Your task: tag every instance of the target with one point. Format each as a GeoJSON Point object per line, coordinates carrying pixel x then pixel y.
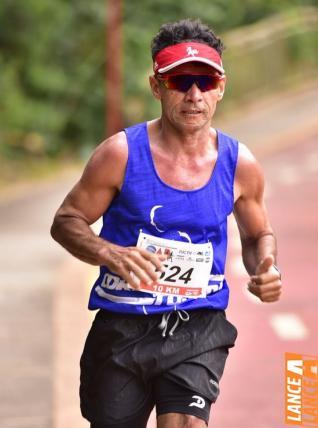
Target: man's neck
{"type": "Point", "coordinates": [188, 141]}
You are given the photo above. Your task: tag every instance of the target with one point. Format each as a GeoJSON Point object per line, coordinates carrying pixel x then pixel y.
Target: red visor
{"type": "Point", "coordinates": [175, 55]}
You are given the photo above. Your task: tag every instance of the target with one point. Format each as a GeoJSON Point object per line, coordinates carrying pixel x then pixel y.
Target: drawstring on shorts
{"type": "Point", "coordinates": [181, 315]}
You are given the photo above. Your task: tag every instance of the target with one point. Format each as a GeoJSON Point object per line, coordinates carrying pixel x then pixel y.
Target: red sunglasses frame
{"type": "Point", "coordinates": [165, 80]}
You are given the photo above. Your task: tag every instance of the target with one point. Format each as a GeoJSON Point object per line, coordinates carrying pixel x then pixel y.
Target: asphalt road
{"type": "Point", "coordinates": [29, 260]}
{"type": "Point", "coordinates": [252, 390]}
{"type": "Point", "coordinates": [43, 291]}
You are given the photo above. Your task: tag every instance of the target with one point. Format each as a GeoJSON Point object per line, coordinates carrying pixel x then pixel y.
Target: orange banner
{"type": "Point", "coordinates": [301, 390]}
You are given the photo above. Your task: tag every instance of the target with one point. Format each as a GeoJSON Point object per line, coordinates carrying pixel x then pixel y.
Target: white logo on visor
{"type": "Point", "coordinates": [192, 52]}
{"type": "Point", "coordinates": [199, 403]}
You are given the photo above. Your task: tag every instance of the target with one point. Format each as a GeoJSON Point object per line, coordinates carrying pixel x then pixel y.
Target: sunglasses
{"type": "Point", "coordinates": [183, 82]}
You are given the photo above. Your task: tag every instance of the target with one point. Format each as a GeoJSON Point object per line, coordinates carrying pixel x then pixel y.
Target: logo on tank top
{"type": "Point", "coordinates": [156, 224]}
{"type": "Point", "coordinates": [152, 217]}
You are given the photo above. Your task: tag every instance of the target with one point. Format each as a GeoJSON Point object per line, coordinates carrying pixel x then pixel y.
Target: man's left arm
{"type": "Point", "coordinates": [259, 249]}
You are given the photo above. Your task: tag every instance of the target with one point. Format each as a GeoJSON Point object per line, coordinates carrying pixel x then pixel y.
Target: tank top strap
{"type": "Point", "coordinates": [139, 157]}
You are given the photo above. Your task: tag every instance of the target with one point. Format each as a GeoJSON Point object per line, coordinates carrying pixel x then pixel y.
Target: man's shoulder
{"type": "Point", "coordinates": [108, 161]}
{"type": "Point", "coordinates": [249, 174]}
{"type": "Point", "coordinates": [246, 159]}
{"type": "Point", "coordinates": [114, 147]}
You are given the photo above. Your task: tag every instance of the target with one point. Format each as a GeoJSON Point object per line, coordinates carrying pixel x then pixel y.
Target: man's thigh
{"type": "Point", "coordinates": [178, 406]}
{"type": "Point", "coordinates": [111, 394]}
{"type": "Point", "coordinates": [115, 396]}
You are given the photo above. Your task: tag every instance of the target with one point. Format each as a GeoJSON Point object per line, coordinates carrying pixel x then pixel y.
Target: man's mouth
{"type": "Point", "coordinates": [191, 112]}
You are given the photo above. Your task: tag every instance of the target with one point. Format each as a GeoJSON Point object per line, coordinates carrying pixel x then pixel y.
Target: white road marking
{"type": "Point", "coordinates": [289, 326]}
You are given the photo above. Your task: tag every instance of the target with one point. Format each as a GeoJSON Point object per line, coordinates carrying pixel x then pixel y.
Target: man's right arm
{"type": "Point", "coordinates": [87, 201]}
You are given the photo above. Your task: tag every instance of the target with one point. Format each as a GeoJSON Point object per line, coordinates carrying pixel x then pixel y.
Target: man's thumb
{"type": "Point", "coordinates": [265, 264]}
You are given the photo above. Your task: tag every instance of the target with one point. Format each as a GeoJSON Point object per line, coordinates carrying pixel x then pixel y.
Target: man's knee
{"type": "Point", "coordinates": [190, 421]}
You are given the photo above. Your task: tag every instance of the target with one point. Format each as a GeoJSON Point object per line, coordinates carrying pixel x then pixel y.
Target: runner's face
{"type": "Point", "coordinates": [193, 109]}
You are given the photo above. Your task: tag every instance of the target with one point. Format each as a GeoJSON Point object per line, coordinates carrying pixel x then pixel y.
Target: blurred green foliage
{"type": "Point", "coordinates": [52, 75]}
{"type": "Point", "coordinates": [52, 57]}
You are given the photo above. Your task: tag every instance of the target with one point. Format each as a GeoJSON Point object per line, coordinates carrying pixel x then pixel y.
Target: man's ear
{"type": "Point", "coordinates": [154, 84]}
{"type": "Point", "coordinates": [221, 89]}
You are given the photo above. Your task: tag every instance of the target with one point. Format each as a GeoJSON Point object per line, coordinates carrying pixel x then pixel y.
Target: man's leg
{"type": "Point", "coordinates": [138, 421]}
{"type": "Point", "coordinates": [179, 420]}
{"type": "Point", "coordinates": [179, 407]}
{"type": "Point", "coordinates": [184, 394]}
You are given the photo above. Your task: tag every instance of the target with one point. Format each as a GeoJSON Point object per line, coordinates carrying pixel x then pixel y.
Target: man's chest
{"type": "Point", "coordinates": [184, 175]}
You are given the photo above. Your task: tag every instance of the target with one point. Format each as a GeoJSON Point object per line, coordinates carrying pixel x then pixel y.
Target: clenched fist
{"type": "Point", "coordinates": [266, 284]}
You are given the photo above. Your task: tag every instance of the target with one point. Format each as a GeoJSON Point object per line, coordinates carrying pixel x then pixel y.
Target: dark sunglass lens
{"type": "Point", "coordinates": [206, 83]}
{"type": "Point", "coordinates": [182, 83]}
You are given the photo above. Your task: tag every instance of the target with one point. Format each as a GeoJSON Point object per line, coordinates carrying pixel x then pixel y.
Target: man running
{"type": "Point", "coordinates": [165, 189]}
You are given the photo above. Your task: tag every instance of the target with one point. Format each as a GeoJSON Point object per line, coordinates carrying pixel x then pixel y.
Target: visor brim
{"type": "Point", "coordinates": [213, 64]}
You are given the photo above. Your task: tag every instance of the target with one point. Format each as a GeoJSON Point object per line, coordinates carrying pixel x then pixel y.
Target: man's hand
{"type": "Point", "coordinates": [126, 261]}
{"type": "Point", "coordinates": [266, 283]}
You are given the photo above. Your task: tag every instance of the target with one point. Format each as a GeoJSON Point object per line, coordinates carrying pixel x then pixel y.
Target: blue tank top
{"type": "Point", "coordinates": [147, 203]}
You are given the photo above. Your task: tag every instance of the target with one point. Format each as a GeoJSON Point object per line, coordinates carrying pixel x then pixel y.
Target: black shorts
{"type": "Point", "coordinates": [127, 367]}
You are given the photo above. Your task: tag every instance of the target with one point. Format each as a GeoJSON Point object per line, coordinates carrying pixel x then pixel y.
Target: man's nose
{"type": "Point", "coordinates": [193, 94]}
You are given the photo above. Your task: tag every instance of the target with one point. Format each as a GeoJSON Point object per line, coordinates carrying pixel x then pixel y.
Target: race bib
{"type": "Point", "coordinates": [186, 270]}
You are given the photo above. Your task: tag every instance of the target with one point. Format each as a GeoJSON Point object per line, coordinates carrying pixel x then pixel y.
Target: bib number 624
{"type": "Point", "coordinates": [174, 273]}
